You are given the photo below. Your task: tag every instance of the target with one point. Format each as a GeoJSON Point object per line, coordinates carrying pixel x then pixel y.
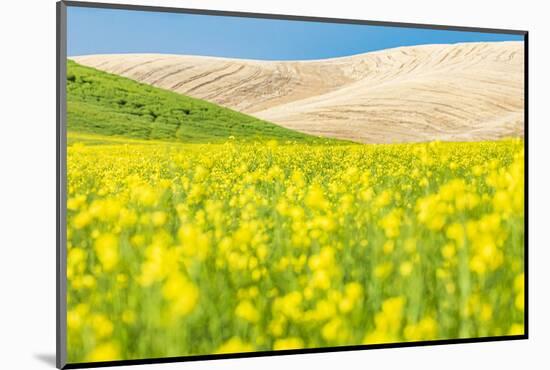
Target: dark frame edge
{"type": "Point", "coordinates": [61, 148]}
{"type": "Point", "coordinates": [526, 184]}
{"type": "Point", "coordinates": [162, 360]}
{"type": "Point", "coordinates": [228, 13]}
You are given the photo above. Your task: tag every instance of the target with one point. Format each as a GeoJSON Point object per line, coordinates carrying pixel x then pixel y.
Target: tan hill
{"type": "Point", "coordinates": [459, 92]}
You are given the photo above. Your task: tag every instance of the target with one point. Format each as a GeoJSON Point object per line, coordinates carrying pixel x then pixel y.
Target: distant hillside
{"type": "Point", "coordinates": [459, 92]}
{"type": "Point", "coordinates": [106, 104]}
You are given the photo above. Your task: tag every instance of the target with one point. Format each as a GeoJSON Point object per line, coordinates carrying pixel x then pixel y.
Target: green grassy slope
{"type": "Point", "coordinates": [106, 104]}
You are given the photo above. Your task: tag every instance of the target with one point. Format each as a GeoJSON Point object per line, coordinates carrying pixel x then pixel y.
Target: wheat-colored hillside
{"type": "Point", "coordinates": [460, 92]}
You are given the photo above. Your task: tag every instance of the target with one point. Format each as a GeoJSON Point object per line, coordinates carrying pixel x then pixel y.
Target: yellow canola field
{"type": "Point", "coordinates": [186, 249]}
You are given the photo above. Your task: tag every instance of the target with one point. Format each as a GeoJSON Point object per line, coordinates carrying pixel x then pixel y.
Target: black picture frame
{"type": "Point", "coordinates": [61, 175]}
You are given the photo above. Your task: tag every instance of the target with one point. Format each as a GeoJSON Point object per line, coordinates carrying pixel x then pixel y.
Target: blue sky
{"type": "Point", "coordinates": [104, 31]}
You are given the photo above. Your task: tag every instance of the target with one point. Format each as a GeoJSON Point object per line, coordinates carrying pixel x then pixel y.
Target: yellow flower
{"type": "Point", "coordinates": [334, 330]}
{"type": "Point", "coordinates": [383, 270]}
{"type": "Point", "coordinates": [127, 218]}
{"type": "Point", "coordinates": [519, 287]}
{"type": "Point", "coordinates": [406, 268]}
{"type": "Point", "coordinates": [410, 245]}
{"type": "Point", "coordinates": [455, 232]}
{"type": "Point", "coordinates": [195, 243]}
{"type": "Point", "coordinates": [235, 345]}
{"type": "Point", "coordinates": [448, 251]}
{"type": "Point", "coordinates": [159, 218]}
{"type": "Point", "coordinates": [379, 336]}
{"type": "Point", "coordinates": [82, 220]}
{"type": "Point", "coordinates": [106, 247]}
{"type": "Point", "coordinates": [108, 351]}
{"type": "Point", "coordinates": [160, 260]}
{"type": "Point", "coordinates": [519, 302]}
{"type": "Point", "coordinates": [387, 322]}
{"type": "Point", "coordinates": [383, 199]}
{"type": "Point", "coordinates": [105, 209]}
{"type": "Point", "coordinates": [315, 198]}
{"type": "Point", "coordinates": [76, 316]}
{"type": "Point", "coordinates": [388, 246]}
{"type": "Point", "coordinates": [145, 195]}
{"type": "Point", "coordinates": [182, 294]}
{"type": "Point", "coordinates": [391, 223]}
{"type": "Point", "coordinates": [425, 329]}
{"type": "Point", "coordinates": [76, 258]}
{"type": "Point", "coordinates": [486, 312]}
{"type": "Point", "coordinates": [75, 203]}
{"type": "Point", "coordinates": [277, 326]}
{"type": "Point", "coordinates": [519, 282]}
{"type": "Point", "coordinates": [102, 326]}
{"type": "Point", "coordinates": [432, 212]}
{"type": "Point", "coordinates": [289, 305]}
{"type": "Point", "coordinates": [516, 329]}
{"type": "Point", "coordinates": [288, 343]}
{"type": "Point", "coordinates": [246, 311]}
{"type": "Point", "coordinates": [354, 290]}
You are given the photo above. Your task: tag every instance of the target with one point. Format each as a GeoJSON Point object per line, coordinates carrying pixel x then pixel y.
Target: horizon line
{"type": "Point", "coordinates": [297, 60]}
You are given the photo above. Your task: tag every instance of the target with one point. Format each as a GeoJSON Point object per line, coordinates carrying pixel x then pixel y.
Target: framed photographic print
{"type": "Point", "coordinates": [235, 184]}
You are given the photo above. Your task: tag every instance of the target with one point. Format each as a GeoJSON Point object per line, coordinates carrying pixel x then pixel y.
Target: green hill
{"type": "Point", "coordinates": [106, 104]}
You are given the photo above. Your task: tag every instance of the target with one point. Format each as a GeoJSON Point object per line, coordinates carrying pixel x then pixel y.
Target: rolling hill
{"type": "Point", "coordinates": [458, 92]}
{"type": "Point", "coordinates": [105, 104]}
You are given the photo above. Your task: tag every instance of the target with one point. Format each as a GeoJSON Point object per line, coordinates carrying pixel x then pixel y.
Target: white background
{"type": "Point", "coordinates": [27, 194]}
